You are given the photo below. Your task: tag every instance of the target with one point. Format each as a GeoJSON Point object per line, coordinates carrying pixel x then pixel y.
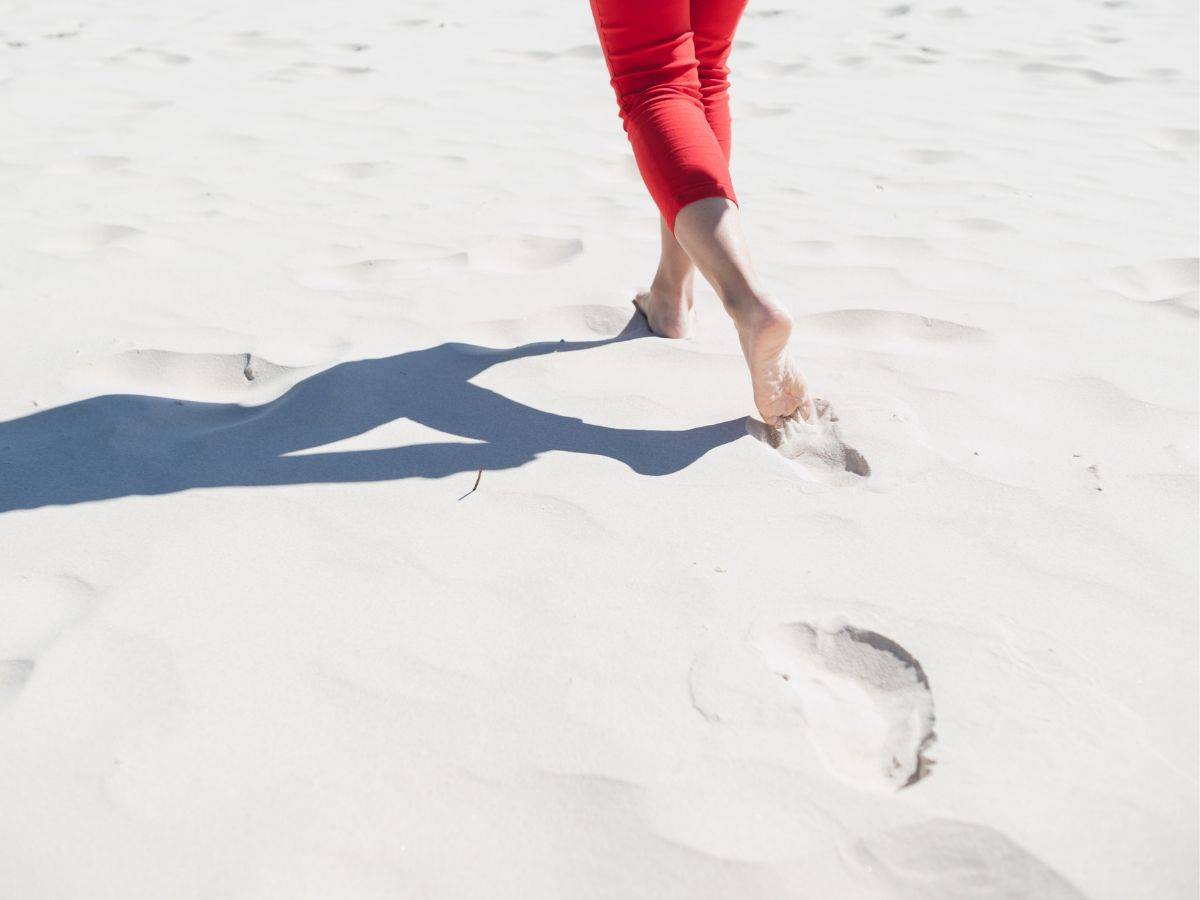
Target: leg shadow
{"type": "Point", "coordinates": [120, 445]}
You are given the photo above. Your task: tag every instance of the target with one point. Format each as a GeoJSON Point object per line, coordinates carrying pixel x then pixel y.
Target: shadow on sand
{"type": "Point", "coordinates": [119, 445]}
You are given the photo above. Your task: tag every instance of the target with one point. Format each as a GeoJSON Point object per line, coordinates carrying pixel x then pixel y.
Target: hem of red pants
{"type": "Point", "coordinates": [679, 201]}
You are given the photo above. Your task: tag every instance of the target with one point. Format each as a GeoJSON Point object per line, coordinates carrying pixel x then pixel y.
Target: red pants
{"type": "Point", "coordinates": [667, 62]}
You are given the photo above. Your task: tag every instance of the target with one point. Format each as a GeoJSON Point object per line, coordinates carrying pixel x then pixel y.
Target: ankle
{"type": "Point", "coordinates": [672, 287]}
{"type": "Point", "coordinates": [756, 309]}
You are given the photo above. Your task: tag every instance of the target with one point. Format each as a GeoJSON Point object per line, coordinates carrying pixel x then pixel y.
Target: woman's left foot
{"type": "Point", "coordinates": [668, 312]}
{"type": "Point", "coordinates": [764, 329]}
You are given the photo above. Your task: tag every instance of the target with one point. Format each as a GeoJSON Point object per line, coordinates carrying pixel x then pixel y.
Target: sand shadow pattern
{"type": "Point", "coordinates": [119, 445]}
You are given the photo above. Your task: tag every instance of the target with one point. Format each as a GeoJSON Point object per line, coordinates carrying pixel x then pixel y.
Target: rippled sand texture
{"type": "Point", "coordinates": [357, 541]}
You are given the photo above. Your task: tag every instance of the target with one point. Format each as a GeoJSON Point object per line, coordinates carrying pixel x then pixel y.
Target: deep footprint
{"type": "Point", "coordinates": [816, 443]}
{"type": "Point", "coordinates": [866, 701]}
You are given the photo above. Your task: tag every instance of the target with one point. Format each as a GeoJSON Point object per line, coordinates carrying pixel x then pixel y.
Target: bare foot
{"type": "Point", "coordinates": [780, 391]}
{"type": "Point", "coordinates": [668, 312]}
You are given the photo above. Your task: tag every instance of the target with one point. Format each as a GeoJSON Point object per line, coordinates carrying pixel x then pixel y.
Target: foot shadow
{"type": "Point", "coordinates": [120, 445]}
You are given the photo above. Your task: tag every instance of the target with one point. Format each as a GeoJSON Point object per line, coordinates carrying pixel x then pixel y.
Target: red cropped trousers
{"type": "Point", "coordinates": [667, 63]}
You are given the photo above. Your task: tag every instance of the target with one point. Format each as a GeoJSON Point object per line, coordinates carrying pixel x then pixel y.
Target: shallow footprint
{"type": "Point", "coordinates": [523, 253]}
{"type": "Point", "coordinates": [816, 444]}
{"type": "Point", "coordinates": [210, 377]}
{"type": "Point", "coordinates": [944, 859]}
{"type": "Point", "coordinates": [1167, 281]}
{"type": "Point", "coordinates": [866, 701]}
{"type": "Point", "coordinates": [13, 675]}
{"type": "Point", "coordinates": [86, 239]}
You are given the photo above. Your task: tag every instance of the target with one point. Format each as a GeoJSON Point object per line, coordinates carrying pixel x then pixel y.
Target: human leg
{"type": "Point", "coordinates": [710, 231]}
{"type": "Point", "coordinates": [714, 23]}
{"type": "Point", "coordinates": [651, 58]}
{"type": "Point", "coordinates": [668, 303]}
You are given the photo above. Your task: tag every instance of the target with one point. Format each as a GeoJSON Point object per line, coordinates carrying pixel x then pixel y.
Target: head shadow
{"type": "Point", "coordinates": [119, 445]}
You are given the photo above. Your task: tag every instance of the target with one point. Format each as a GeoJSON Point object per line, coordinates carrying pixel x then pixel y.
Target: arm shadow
{"type": "Point", "coordinates": [119, 445]}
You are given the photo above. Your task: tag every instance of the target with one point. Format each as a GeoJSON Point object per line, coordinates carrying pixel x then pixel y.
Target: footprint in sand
{"type": "Point", "coordinates": [866, 701]}
{"type": "Point", "coordinates": [35, 609]}
{"type": "Point", "coordinates": [525, 253]}
{"type": "Point", "coordinates": [1171, 282]}
{"type": "Point", "coordinates": [260, 39]}
{"type": "Point", "coordinates": [1181, 138]}
{"type": "Point", "coordinates": [211, 377]}
{"type": "Point", "coordinates": [355, 171]}
{"type": "Point", "coordinates": [341, 268]}
{"type": "Point", "coordinates": [887, 330]}
{"type": "Point", "coordinates": [90, 165]}
{"type": "Point", "coordinates": [1093, 75]}
{"type": "Point", "coordinates": [816, 444]}
{"type": "Point", "coordinates": [86, 239]}
{"type": "Point", "coordinates": [584, 322]}
{"type": "Point", "coordinates": [929, 157]}
{"type": "Point", "coordinates": [790, 68]}
{"type": "Point", "coordinates": [984, 226]}
{"type": "Point", "coordinates": [944, 859]}
{"type": "Point", "coordinates": [535, 55]}
{"type": "Point", "coordinates": [165, 57]}
{"type": "Point", "coordinates": [584, 51]}
{"type": "Point", "coordinates": [751, 110]}
{"type": "Point", "coordinates": [13, 675]}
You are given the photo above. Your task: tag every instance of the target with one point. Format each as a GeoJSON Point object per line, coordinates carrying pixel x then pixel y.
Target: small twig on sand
{"type": "Point", "coordinates": [478, 477]}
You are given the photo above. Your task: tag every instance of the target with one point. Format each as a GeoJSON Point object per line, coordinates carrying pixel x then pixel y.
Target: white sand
{"type": "Point", "coordinates": [254, 645]}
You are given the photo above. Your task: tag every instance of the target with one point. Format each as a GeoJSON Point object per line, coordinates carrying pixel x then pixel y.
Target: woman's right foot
{"type": "Point", "coordinates": [780, 391]}
{"type": "Point", "coordinates": [668, 311]}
